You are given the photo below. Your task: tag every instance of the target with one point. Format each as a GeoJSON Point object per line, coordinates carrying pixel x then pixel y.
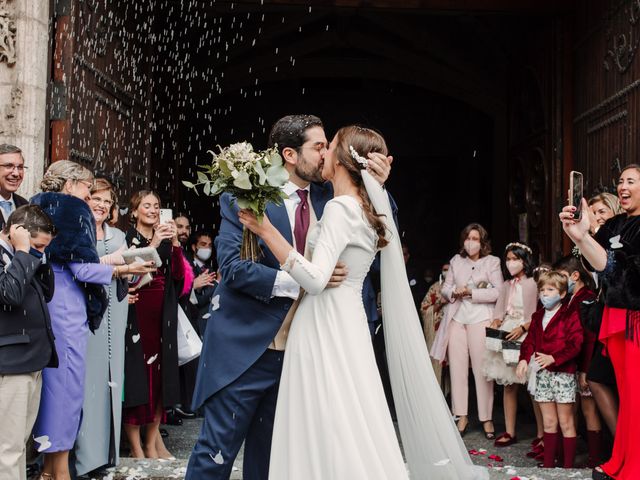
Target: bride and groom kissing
{"type": "Point", "coordinates": [311, 291]}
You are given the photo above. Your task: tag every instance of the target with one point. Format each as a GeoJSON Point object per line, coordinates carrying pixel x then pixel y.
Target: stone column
{"type": "Point", "coordinates": [24, 55]}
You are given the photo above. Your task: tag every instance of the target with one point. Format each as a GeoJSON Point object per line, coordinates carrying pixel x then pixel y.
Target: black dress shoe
{"type": "Point", "coordinates": [598, 474]}
{"type": "Point", "coordinates": [173, 418]}
{"type": "Point", "coordinates": [164, 433]}
{"type": "Point", "coordinates": [184, 412]}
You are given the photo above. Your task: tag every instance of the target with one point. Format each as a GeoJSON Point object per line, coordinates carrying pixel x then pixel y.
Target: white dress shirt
{"type": "Point", "coordinates": [285, 285]}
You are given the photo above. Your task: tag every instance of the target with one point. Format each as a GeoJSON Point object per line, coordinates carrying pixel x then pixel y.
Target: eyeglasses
{"type": "Point", "coordinates": [86, 183]}
{"type": "Point", "coordinates": [12, 166]}
{"type": "Point", "coordinates": [104, 201]}
{"type": "Point", "coordinates": [318, 147]}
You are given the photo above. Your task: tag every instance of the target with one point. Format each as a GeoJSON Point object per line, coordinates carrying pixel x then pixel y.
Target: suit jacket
{"type": "Point", "coordinates": [461, 270]}
{"type": "Point", "coordinates": [562, 339]}
{"type": "Point", "coordinates": [19, 201]}
{"type": "Point", "coordinates": [26, 338]}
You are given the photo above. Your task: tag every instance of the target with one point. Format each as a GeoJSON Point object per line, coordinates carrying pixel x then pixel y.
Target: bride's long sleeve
{"type": "Point", "coordinates": [336, 229]}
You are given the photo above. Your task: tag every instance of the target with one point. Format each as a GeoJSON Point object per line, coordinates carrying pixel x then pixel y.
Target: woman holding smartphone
{"type": "Point", "coordinates": [615, 252]}
{"type": "Point", "coordinates": [152, 380]}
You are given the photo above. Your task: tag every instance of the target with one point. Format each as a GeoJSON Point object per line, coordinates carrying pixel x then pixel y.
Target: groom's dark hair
{"type": "Point", "coordinates": [290, 131]}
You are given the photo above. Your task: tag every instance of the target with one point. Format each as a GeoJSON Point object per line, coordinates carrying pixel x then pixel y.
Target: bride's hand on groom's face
{"type": "Point", "coordinates": [338, 275]}
{"type": "Point", "coordinates": [379, 166]}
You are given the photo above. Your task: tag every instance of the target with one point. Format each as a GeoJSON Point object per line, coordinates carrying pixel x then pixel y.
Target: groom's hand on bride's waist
{"type": "Point", "coordinates": [338, 275]}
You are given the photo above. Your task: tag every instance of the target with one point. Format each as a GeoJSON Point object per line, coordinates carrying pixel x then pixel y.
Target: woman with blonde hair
{"type": "Point", "coordinates": [77, 307]}
{"type": "Point", "coordinates": [602, 207]}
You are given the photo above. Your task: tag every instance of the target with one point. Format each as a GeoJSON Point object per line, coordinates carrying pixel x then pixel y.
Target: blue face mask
{"type": "Point", "coordinates": [571, 286]}
{"type": "Point", "coordinates": [35, 253]}
{"type": "Point", "coordinates": [550, 302]}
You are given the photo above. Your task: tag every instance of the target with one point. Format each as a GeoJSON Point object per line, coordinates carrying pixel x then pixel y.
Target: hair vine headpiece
{"type": "Point", "coordinates": [526, 248]}
{"type": "Point", "coordinates": [357, 157]}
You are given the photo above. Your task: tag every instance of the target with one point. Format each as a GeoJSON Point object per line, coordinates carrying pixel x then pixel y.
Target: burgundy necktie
{"type": "Point", "coordinates": [302, 218]}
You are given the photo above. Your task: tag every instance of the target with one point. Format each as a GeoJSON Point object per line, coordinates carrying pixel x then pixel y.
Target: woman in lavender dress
{"type": "Point", "coordinates": [77, 306]}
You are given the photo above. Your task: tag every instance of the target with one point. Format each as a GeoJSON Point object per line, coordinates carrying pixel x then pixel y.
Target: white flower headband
{"type": "Point", "coordinates": [358, 158]}
{"type": "Point", "coordinates": [520, 245]}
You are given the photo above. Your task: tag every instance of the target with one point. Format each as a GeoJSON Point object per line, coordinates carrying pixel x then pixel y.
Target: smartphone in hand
{"type": "Point", "coordinates": [165, 215]}
{"type": "Point", "coordinates": [576, 193]}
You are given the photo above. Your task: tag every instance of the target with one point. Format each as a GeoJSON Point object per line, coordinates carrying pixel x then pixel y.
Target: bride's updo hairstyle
{"type": "Point", "coordinates": [364, 141]}
{"type": "Point", "coordinates": [59, 172]}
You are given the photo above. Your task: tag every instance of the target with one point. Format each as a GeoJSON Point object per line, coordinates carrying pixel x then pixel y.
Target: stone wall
{"type": "Point", "coordinates": [24, 53]}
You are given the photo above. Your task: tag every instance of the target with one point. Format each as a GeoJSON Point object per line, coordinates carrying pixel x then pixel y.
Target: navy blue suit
{"type": "Point", "coordinates": [238, 375]}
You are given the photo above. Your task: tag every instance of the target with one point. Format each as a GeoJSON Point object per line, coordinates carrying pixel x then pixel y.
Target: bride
{"type": "Point", "coordinates": [332, 419]}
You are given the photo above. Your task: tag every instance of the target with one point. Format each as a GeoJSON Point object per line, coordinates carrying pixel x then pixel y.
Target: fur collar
{"type": "Point", "coordinates": [75, 241]}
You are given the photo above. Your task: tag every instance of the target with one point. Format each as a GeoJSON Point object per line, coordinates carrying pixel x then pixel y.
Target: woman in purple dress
{"type": "Point", "coordinates": [77, 306]}
{"type": "Point", "coordinates": [152, 379]}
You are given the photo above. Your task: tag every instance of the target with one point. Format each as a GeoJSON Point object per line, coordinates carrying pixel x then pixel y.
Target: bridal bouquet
{"type": "Point", "coordinates": [253, 178]}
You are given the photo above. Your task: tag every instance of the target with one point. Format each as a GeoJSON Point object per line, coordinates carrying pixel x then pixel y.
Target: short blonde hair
{"type": "Point", "coordinates": [59, 172]}
{"type": "Point", "coordinates": [610, 200]}
{"type": "Point", "coordinates": [555, 279]}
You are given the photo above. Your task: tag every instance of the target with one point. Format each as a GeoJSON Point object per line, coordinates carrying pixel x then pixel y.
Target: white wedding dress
{"type": "Point", "coordinates": [332, 421]}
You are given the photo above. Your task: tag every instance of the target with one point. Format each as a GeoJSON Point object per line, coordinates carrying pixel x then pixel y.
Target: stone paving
{"type": "Point", "coordinates": [515, 464]}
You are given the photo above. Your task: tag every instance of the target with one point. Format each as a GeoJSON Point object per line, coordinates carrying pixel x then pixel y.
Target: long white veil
{"type": "Point", "coordinates": [433, 447]}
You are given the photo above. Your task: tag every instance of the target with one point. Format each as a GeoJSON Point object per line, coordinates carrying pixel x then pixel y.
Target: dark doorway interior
{"type": "Point", "coordinates": [433, 85]}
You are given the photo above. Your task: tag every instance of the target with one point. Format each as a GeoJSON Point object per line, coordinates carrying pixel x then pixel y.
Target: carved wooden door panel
{"type": "Point", "coordinates": [101, 93]}
{"type": "Point", "coordinates": [607, 89]}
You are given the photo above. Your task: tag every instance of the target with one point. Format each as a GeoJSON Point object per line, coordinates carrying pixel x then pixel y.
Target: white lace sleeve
{"type": "Point", "coordinates": [336, 230]}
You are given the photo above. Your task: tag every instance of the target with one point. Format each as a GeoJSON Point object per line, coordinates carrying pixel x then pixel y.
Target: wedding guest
{"type": "Point", "coordinates": [473, 286]}
{"type": "Point", "coordinates": [600, 375]}
{"type": "Point", "coordinates": [581, 287]}
{"type": "Point", "coordinates": [76, 308]}
{"type": "Point", "coordinates": [512, 313]}
{"type": "Point", "coordinates": [183, 226]}
{"type": "Point", "coordinates": [204, 269]}
{"type": "Point", "coordinates": [152, 381]}
{"type": "Point", "coordinates": [11, 176]}
{"type": "Point", "coordinates": [98, 443]}
{"type": "Point", "coordinates": [613, 252]}
{"type": "Point", "coordinates": [602, 207]}
{"type": "Point", "coordinates": [549, 354]}
{"type": "Point", "coordinates": [26, 340]}
{"type": "Point", "coordinates": [432, 309]}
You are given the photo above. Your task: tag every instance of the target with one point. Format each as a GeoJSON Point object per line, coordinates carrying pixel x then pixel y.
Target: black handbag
{"type": "Point", "coordinates": [494, 338]}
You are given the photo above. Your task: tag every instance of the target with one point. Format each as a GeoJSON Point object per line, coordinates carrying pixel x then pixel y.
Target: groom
{"type": "Point", "coordinates": [241, 360]}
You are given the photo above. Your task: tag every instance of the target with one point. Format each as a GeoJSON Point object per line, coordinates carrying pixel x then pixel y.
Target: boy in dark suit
{"type": "Point", "coordinates": [26, 338]}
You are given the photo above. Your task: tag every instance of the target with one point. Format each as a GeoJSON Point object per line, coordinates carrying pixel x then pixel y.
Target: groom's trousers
{"type": "Point", "coordinates": [242, 411]}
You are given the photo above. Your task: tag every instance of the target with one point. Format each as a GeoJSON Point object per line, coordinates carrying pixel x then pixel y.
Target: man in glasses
{"type": "Point", "coordinates": [11, 176]}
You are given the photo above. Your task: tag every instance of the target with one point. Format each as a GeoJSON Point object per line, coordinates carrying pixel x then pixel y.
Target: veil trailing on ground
{"type": "Point", "coordinates": [433, 447]}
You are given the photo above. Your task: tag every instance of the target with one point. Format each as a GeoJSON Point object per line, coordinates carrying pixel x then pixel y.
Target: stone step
{"type": "Point", "coordinates": [134, 469]}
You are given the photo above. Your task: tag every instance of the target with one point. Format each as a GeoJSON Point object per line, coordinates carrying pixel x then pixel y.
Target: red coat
{"type": "Point", "coordinates": [590, 338]}
{"type": "Point", "coordinates": [562, 339]}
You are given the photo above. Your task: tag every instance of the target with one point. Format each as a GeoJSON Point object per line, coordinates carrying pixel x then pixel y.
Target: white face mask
{"type": "Point", "coordinates": [203, 254]}
{"type": "Point", "coordinates": [514, 267]}
{"type": "Point", "coordinates": [472, 247]}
